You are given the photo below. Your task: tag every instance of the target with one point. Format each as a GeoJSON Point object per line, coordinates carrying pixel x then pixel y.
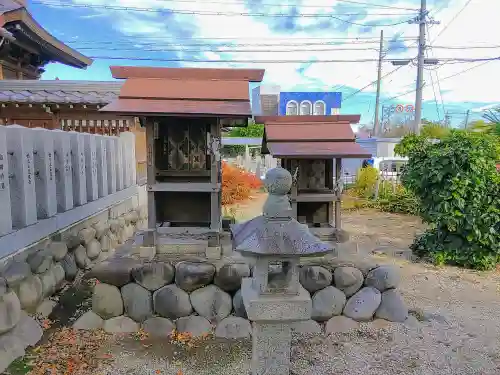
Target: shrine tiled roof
{"type": "Point", "coordinates": [184, 91]}
{"type": "Point", "coordinates": [58, 92]}
{"type": "Point", "coordinates": [311, 136]}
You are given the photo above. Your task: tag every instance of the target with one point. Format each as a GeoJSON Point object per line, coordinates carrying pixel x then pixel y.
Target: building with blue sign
{"type": "Point", "coordinates": [271, 101]}
{"type": "Point", "coordinates": [309, 103]}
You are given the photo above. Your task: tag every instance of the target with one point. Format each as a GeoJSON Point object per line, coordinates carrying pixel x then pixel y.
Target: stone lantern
{"type": "Point", "coordinates": [273, 297]}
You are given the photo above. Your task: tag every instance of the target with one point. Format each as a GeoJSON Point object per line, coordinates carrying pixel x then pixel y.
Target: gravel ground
{"type": "Point", "coordinates": [454, 329]}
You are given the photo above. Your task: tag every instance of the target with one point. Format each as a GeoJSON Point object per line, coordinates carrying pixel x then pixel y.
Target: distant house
{"type": "Point", "coordinates": [310, 103]}
{"type": "Point", "coordinates": [269, 100]}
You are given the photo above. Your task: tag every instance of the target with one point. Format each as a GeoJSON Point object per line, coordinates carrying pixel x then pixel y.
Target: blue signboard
{"type": "Point", "coordinates": [314, 103]}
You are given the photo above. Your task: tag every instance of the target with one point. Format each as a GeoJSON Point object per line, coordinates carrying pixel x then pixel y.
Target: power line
{"type": "Point", "coordinates": [451, 21]}
{"type": "Point", "coordinates": [216, 13]}
{"type": "Point", "coordinates": [372, 83]}
{"type": "Point", "coordinates": [365, 4]}
{"type": "Point", "coordinates": [437, 79]}
{"type": "Point", "coordinates": [445, 78]}
{"type": "Point", "coordinates": [303, 61]}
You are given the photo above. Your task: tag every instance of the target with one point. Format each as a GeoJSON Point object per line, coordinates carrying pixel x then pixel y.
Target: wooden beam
{"type": "Point", "coordinates": [338, 201]}
{"type": "Point", "coordinates": [150, 239]}
{"type": "Point", "coordinates": [188, 187]}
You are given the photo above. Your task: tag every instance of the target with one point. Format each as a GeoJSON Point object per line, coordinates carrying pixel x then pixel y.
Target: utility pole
{"type": "Point", "coordinates": [467, 118]}
{"type": "Point", "coordinates": [376, 125]}
{"type": "Point", "coordinates": [420, 65]}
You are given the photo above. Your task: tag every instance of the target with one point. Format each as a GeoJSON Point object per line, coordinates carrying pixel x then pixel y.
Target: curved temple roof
{"type": "Point", "coordinates": [15, 18]}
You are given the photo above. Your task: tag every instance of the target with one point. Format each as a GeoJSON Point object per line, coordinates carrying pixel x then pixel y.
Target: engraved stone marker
{"type": "Point", "coordinates": [22, 169]}
{"type": "Point", "coordinates": [102, 166]}
{"type": "Point", "coordinates": [119, 164]}
{"type": "Point", "coordinates": [6, 218]}
{"type": "Point", "coordinates": [273, 301]}
{"type": "Point", "coordinates": [127, 159]}
{"type": "Point", "coordinates": [64, 170]}
{"type": "Point", "coordinates": [111, 163]}
{"type": "Point", "coordinates": [45, 179]}
{"type": "Point", "coordinates": [89, 141]}
{"type": "Point", "coordinates": [79, 168]}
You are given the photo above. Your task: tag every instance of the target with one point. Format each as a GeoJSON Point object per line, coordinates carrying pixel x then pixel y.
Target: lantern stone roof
{"type": "Point", "coordinates": [15, 18]}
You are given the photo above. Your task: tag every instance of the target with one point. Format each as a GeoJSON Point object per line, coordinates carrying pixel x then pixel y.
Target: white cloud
{"type": "Point", "coordinates": [477, 26]}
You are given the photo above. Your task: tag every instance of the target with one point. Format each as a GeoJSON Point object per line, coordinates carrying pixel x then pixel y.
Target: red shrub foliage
{"type": "Point", "coordinates": [237, 184]}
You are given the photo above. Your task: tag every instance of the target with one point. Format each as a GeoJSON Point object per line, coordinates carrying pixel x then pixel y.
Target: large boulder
{"type": "Point", "coordinates": [115, 271]}
{"type": "Point", "coordinates": [40, 261]}
{"type": "Point", "coordinates": [86, 235]}
{"type": "Point", "coordinates": [362, 305]}
{"type": "Point", "coordinates": [195, 325]}
{"type": "Point", "coordinates": [158, 327]}
{"type": "Point", "coordinates": [190, 276]}
{"type": "Point", "coordinates": [229, 276]}
{"type": "Point", "coordinates": [383, 278]}
{"type": "Point", "coordinates": [10, 311]}
{"type": "Point", "coordinates": [58, 250]}
{"type": "Point", "coordinates": [211, 302]}
{"type": "Point", "coordinates": [392, 307]}
{"type": "Point", "coordinates": [68, 263]}
{"type": "Point", "coordinates": [233, 328]}
{"type": "Point", "coordinates": [327, 303]}
{"type": "Point", "coordinates": [49, 282]}
{"type": "Point", "coordinates": [16, 272]}
{"type": "Point", "coordinates": [107, 301]}
{"type": "Point", "coordinates": [348, 279]}
{"type": "Point", "coordinates": [30, 292]}
{"type": "Point", "coordinates": [153, 276]}
{"type": "Point", "coordinates": [120, 324]}
{"type": "Point", "coordinates": [89, 321]}
{"type": "Point", "coordinates": [137, 301]}
{"type": "Point", "coordinates": [314, 278]}
{"type": "Point", "coordinates": [171, 302]}
{"type": "Point", "coordinates": [239, 306]}
{"type": "Point", "coordinates": [26, 333]}
{"type": "Point", "coordinates": [81, 258]}
{"type": "Point", "coordinates": [101, 229]}
{"type": "Point", "coordinates": [93, 249]}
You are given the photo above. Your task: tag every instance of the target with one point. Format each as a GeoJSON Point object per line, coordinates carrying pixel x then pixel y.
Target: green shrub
{"type": "Point", "coordinates": [456, 183]}
{"type": "Point", "coordinates": [399, 200]}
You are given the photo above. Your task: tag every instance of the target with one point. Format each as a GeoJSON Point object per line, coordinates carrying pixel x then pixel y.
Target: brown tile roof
{"type": "Point", "coordinates": [311, 136]}
{"type": "Point", "coordinates": [248, 75]}
{"type": "Point", "coordinates": [313, 132]}
{"type": "Point", "coordinates": [143, 107]}
{"type": "Point", "coordinates": [58, 92]}
{"type": "Point", "coordinates": [320, 150]}
{"type": "Point", "coordinates": [183, 91]}
{"type": "Point", "coordinates": [16, 19]}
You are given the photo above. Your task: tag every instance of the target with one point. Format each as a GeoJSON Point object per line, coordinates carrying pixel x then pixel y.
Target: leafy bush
{"type": "Point", "coordinates": [458, 187]}
{"type": "Point", "coordinates": [366, 181]}
{"type": "Point", "coordinates": [399, 200]}
{"type": "Point", "coordinates": [237, 184]}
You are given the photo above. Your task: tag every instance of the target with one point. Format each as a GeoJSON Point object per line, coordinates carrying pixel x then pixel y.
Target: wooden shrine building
{"type": "Point", "coordinates": [312, 149]}
{"type": "Point", "coordinates": [184, 110]}
{"type": "Point", "coordinates": [26, 47]}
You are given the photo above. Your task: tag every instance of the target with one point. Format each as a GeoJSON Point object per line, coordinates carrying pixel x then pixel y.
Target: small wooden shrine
{"type": "Point", "coordinates": [311, 148]}
{"type": "Point", "coordinates": [183, 110]}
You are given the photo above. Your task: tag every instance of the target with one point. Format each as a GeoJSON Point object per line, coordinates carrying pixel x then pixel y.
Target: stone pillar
{"type": "Point", "coordinates": [45, 179]}
{"type": "Point", "coordinates": [22, 169]}
{"type": "Point", "coordinates": [89, 142]}
{"type": "Point", "coordinates": [275, 338]}
{"type": "Point", "coordinates": [102, 166]}
{"type": "Point", "coordinates": [79, 168]}
{"type": "Point", "coordinates": [119, 163]}
{"type": "Point", "coordinates": [6, 218]}
{"type": "Point", "coordinates": [64, 170]}
{"type": "Point", "coordinates": [128, 149]}
{"type": "Point", "coordinates": [111, 161]}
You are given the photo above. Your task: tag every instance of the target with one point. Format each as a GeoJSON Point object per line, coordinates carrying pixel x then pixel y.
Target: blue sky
{"type": "Point", "coordinates": [162, 29]}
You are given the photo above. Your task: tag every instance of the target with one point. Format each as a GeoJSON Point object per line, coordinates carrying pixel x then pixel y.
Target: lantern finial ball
{"type": "Point", "coordinates": [278, 181]}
